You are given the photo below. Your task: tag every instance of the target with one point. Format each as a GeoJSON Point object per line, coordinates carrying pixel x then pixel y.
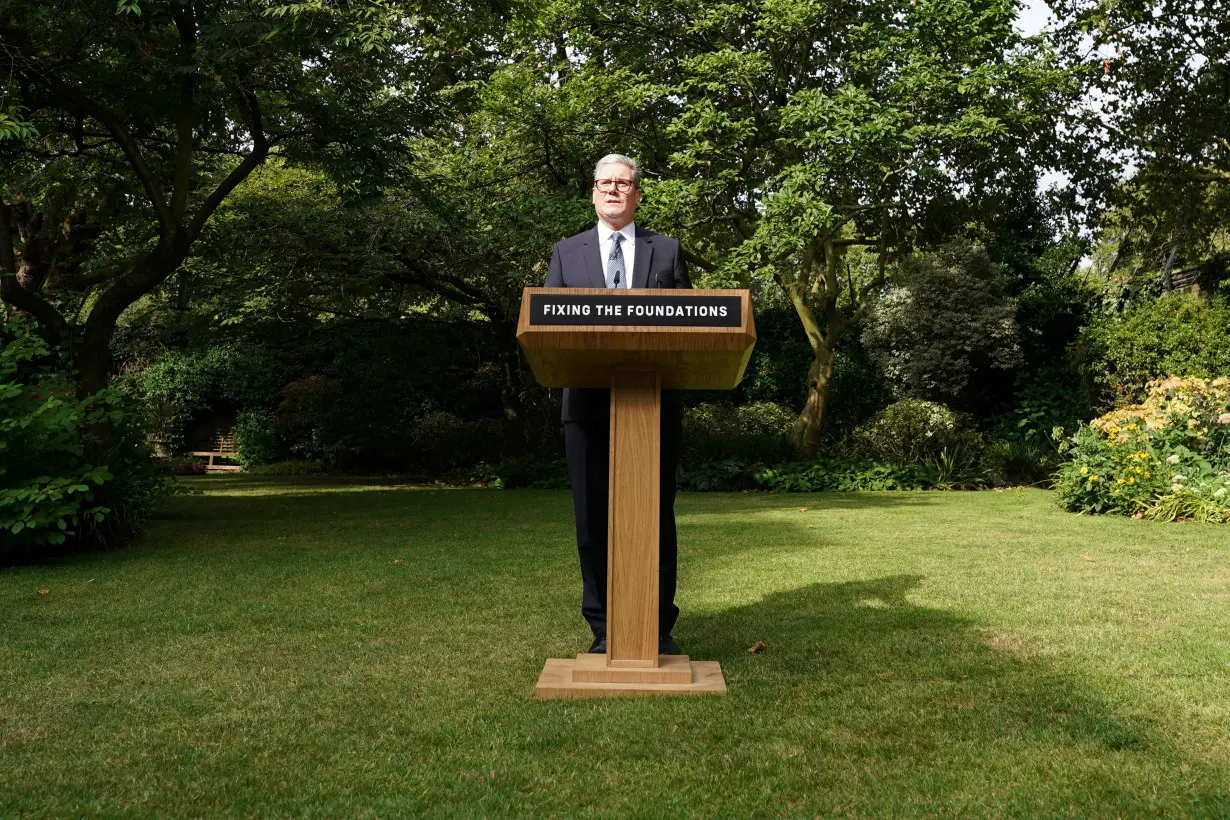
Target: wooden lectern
{"type": "Point", "coordinates": [638, 343]}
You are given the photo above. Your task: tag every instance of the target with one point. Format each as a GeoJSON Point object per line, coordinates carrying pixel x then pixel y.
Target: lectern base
{"type": "Point", "coordinates": [582, 678]}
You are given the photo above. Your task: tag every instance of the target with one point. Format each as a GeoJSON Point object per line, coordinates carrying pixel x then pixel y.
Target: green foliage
{"type": "Point", "coordinates": [290, 467]}
{"type": "Point", "coordinates": [1166, 458]}
{"type": "Point", "coordinates": [449, 441]}
{"type": "Point", "coordinates": [1150, 69]}
{"type": "Point", "coordinates": [177, 386]}
{"type": "Point", "coordinates": [1015, 461]}
{"type": "Point", "coordinates": [912, 431]}
{"type": "Point", "coordinates": [256, 440]}
{"type": "Point", "coordinates": [186, 466]}
{"type": "Point", "coordinates": [956, 467]}
{"type": "Point", "coordinates": [47, 486]}
{"type": "Point", "coordinates": [59, 481]}
{"type": "Point", "coordinates": [1045, 399]}
{"type": "Point", "coordinates": [14, 125]}
{"type": "Point", "coordinates": [1174, 334]}
{"type": "Point", "coordinates": [726, 475]}
{"type": "Point", "coordinates": [948, 471]}
{"type": "Point", "coordinates": [841, 475]}
{"type": "Point", "coordinates": [517, 473]}
{"type": "Point", "coordinates": [757, 432]}
{"type": "Point", "coordinates": [943, 325]}
{"type": "Point", "coordinates": [1024, 442]}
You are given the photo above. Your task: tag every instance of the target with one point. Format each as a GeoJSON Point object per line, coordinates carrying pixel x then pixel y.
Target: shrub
{"type": "Point", "coordinates": [515, 473]}
{"type": "Point", "coordinates": [944, 325]}
{"type": "Point", "coordinates": [71, 470]}
{"type": "Point", "coordinates": [912, 431]}
{"type": "Point", "coordinates": [291, 467]}
{"type": "Point", "coordinates": [1011, 462]}
{"type": "Point", "coordinates": [725, 475]}
{"type": "Point", "coordinates": [256, 440]}
{"type": "Point", "coordinates": [139, 480]}
{"type": "Point", "coordinates": [840, 475]}
{"type": "Point", "coordinates": [449, 441]}
{"type": "Point", "coordinates": [1167, 458]}
{"type": "Point", "coordinates": [1175, 333]}
{"type": "Point", "coordinates": [756, 432]}
{"type": "Point", "coordinates": [175, 387]}
{"type": "Point", "coordinates": [186, 466]}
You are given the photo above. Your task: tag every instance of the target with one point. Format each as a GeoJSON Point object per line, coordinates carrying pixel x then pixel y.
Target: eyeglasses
{"type": "Point", "coordinates": [621, 185]}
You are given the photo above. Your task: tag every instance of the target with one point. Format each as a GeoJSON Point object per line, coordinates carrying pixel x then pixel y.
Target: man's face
{"type": "Point", "coordinates": [614, 207]}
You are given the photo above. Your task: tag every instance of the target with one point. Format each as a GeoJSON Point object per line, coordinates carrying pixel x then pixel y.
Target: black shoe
{"type": "Point", "coordinates": [599, 647]}
{"type": "Point", "coordinates": [667, 646]}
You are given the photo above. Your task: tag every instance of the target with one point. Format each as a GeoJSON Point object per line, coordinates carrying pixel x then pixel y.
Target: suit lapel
{"type": "Point", "coordinates": [592, 252]}
{"type": "Point", "coordinates": [644, 255]}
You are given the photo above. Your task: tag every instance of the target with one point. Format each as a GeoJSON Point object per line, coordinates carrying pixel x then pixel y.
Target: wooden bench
{"type": "Point", "coordinates": [223, 448]}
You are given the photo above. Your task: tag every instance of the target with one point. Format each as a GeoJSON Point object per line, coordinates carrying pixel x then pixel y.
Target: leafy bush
{"type": "Point", "coordinates": [186, 466]}
{"type": "Point", "coordinates": [1167, 458]}
{"type": "Point", "coordinates": [256, 440]}
{"type": "Point", "coordinates": [176, 387]}
{"type": "Point", "coordinates": [511, 474]}
{"type": "Point", "coordinates": [751, 432]}
{"type": "Point", "coordinates": [723, 475]}
{"type": "Point", "coordinates": [955, 468]}
{"type": "Point", "coordinates": [913, 431]}
{"type": "Point", "coordinates": [71, 470]}
{"type": "Point", "coordinates": [1175, 333]}
{"type": "Point", "coordinates": [450, 441]}
{"type": "Point", "coordinates": [843, 476]}
{"type": "Point", "coordinates": [140, 481]}
{"type": "Point", "coordinates": [1016, 461]}
{"type": "Point", "coordinates": [290, 467]}
{"type": "Point", "coordinates": [944, 325]}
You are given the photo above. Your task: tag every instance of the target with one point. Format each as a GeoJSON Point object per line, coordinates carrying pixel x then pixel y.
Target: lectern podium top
{"type": "Point", "coordinates": [696, 339]}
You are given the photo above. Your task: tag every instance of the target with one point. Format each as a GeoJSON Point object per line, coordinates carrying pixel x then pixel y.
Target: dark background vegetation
{"type": "Point", "coordinates": [308, 226]}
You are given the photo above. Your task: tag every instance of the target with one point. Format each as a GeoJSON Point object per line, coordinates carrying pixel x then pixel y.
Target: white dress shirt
{"type": "Point", "coordinates": [627, 245]}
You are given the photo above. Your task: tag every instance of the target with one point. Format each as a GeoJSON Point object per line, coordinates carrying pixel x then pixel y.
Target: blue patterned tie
{"type": "Point", "coordinates": [615, 263]}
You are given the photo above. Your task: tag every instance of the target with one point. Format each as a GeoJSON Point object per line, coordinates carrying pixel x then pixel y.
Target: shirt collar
{"type": "Point", "coordinates": [628, 231]}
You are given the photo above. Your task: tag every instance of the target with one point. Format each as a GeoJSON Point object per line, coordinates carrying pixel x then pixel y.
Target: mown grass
{"type": "Point", "coordinates": [327, 648]}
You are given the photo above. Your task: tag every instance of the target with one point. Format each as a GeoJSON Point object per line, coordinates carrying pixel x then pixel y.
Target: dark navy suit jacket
{"type": "Point", "coordinates": [577, 263]}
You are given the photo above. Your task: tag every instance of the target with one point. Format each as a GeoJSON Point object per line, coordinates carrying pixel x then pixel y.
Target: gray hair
{"type": "Point", "coordinates": [619, 159]}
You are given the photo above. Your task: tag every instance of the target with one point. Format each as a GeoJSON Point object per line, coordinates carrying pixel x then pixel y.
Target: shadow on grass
{"type": "Point", "coordinates": [866, 703]}
{"type": "Point", "coordinates": [838, 639]}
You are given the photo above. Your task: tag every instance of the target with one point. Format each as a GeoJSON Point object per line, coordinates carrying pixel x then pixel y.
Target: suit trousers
{"type": "Point", "coordinates": [588, 446]}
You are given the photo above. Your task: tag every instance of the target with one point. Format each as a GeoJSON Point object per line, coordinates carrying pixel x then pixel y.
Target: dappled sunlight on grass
{"type": "Point", "coordinates": [305, 646]}
{"type": "Point", "coordinates": [239, 485]}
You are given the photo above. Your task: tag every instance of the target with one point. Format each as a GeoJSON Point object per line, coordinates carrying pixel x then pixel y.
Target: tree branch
{"type": "Point", "coordinates": [153, 189]}
{"type": "Point", "coordinates": [53, 325]}
{"type": "Point", "coordinates": [698, 261]}
{"type": "Point", "coordinates": [185, 22]}
{"type": "Point", "coordinates": [260, 149]}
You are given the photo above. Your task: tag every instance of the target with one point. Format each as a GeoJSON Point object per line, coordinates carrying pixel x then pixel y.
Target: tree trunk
{"type": "Point", "coordinates": [515, 433]}
{"type": "Point", "coordinates": [819, 379]}
{"type": "Point", "coordinates": [1167, 282]}
{"type": "Point", "coordinates": [91, 359]}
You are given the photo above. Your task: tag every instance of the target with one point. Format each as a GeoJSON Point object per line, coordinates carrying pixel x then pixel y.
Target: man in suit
{"type": "Point", "coordinates": [614, 254]}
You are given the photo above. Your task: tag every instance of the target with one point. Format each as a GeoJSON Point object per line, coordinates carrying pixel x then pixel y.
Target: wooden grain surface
{"type": "Point", "coordinates": [632, 523]}
{"type": "Point", "coordinates": [590, 668]}
{"type": "Point", "coordinates": [556, 682]}
{"type": "Point", "coordinates": [689, 358]}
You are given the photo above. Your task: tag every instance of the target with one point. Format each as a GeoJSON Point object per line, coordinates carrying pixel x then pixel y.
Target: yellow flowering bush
{"type": "Point", "coordinates": [1167, 458]}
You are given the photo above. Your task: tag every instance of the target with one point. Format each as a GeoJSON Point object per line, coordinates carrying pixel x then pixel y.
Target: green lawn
{"type": "Point", "coordinates": [330, 648]}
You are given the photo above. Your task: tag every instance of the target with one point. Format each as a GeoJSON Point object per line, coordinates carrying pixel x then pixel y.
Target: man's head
{"type": "Point", "coordinates": [617, 189]}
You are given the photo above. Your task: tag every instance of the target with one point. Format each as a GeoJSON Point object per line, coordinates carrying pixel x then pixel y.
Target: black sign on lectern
{"type": "Point", "coordinates": [633, 309]}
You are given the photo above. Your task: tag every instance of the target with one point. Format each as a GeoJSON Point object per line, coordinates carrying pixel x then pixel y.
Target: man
{"type": "Point", "coordinates": [617, 254]}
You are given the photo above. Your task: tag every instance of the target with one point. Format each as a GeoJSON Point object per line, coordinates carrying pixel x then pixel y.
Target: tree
{"type": "Point", "coordinates": [1160, 74]}
{"type": "Point", "coordinates": [779, 136]}
{"type": "Point", "coordinates": [128, 126]}
{"type": "Point", "coordinates": [945, 322]}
